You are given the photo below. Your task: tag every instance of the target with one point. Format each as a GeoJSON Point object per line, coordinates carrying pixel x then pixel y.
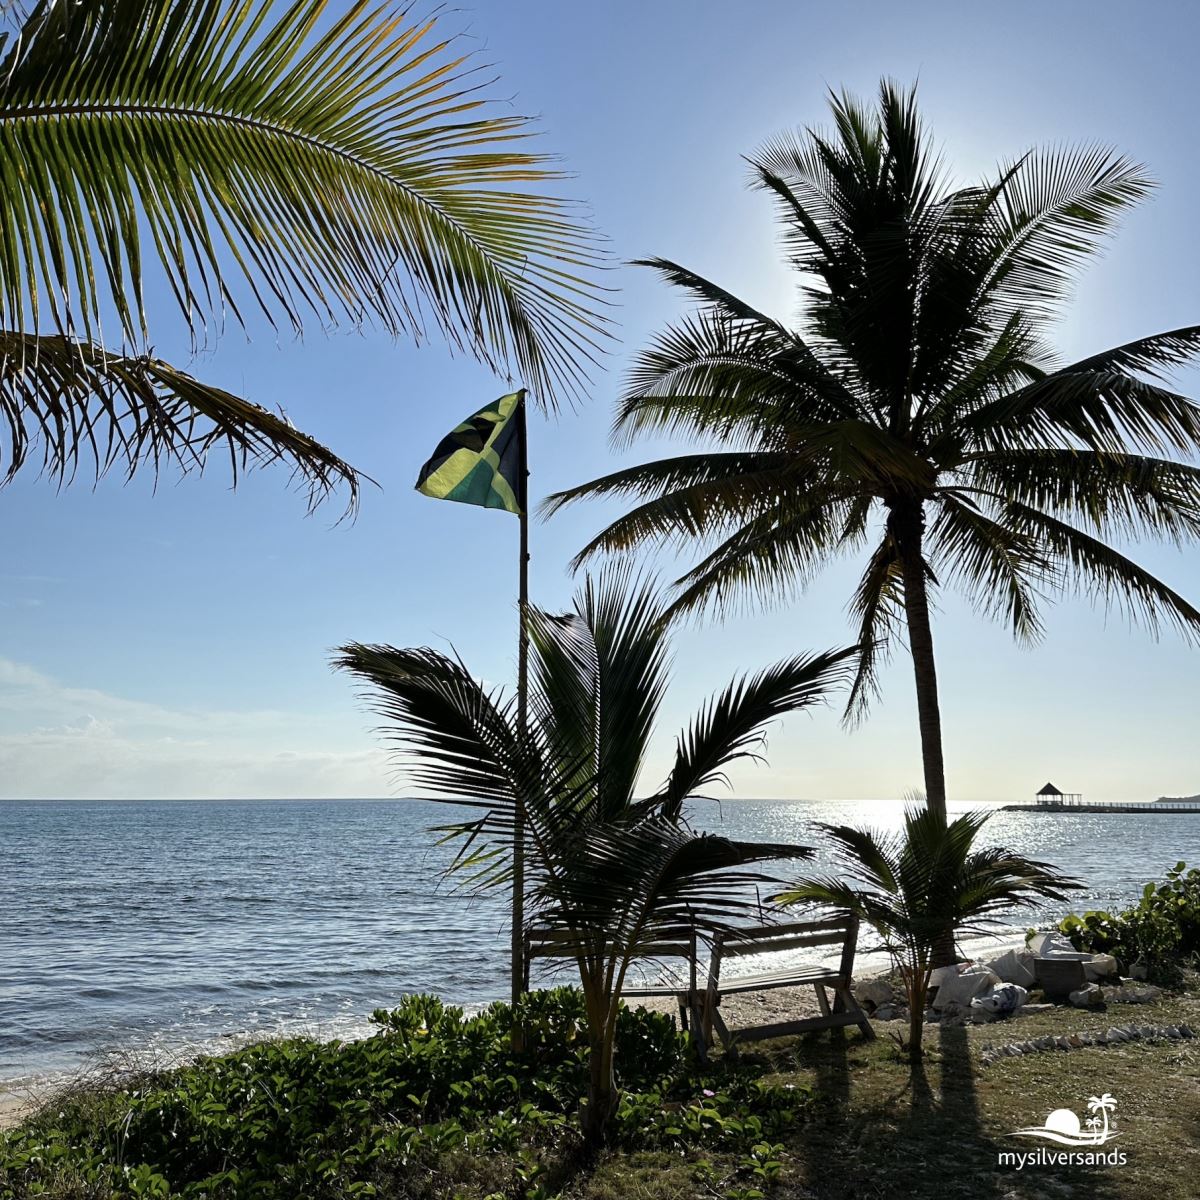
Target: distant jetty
{"type": "Point", "coordinates": [1051, 800]}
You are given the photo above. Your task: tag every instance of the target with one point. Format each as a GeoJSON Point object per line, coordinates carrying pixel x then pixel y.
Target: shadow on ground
{"type": "Point", "coordinates": [896, 1134]}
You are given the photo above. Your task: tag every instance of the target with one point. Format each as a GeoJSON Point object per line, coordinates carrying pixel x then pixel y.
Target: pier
{"type": "Point", "coordinates": [1156, 806]}
{"type": "Point", "coordinates": [1051, 800]}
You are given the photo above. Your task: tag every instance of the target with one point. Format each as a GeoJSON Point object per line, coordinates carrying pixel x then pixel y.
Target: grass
{"type": "Point", "coordinates": [874, 1132]}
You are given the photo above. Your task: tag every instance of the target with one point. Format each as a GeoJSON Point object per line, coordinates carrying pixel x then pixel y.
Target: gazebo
{"type": "Point", "coordinates": [1053, 798]}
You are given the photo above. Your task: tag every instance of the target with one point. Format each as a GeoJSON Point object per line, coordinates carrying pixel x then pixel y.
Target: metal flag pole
{"type": "Point", "coordinates": [518, 876]}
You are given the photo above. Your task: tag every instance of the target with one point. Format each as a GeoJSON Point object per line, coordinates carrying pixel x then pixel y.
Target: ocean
{"type": "Point", "coordinates": [164, 929]}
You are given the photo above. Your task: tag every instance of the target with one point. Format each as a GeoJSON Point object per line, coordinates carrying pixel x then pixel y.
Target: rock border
{"type": "Point", "coordinates": [1077, 1041]}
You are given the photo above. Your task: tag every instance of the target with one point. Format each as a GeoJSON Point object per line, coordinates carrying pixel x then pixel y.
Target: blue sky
{"type": "Point", "coordinates": [174, 641]}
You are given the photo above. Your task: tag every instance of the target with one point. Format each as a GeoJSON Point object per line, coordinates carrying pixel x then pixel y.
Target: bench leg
{"type": "Point", "coordinates": [846, 997]}
{"type": "Point", "coordinates": [822, 998]}
{"type": "Point", "coordinates": [723, 1032]}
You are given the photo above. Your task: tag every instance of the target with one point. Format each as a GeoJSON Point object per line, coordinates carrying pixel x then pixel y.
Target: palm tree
{"type": "Point", "coordinates": [911, 886]}
{"type": "Point", "coordinates": [611, 872]}
{"type": "Point", "coordinates": [298, 165]}
{"type": "Point", "coordinates": [916, 410]}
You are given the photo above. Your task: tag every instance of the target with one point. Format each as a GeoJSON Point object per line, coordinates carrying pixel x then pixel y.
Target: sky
{"type": "Point", "coordinates": [173, 640]}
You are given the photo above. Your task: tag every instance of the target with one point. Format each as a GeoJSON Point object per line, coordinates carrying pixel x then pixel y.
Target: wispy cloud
{"type": "Point", "coordinates": [58, 740]}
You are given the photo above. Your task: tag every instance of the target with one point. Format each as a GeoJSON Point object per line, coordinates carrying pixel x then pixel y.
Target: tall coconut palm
{"type": "Point", "coordinates": [314, 167]}
{"type": "Point", "coordinates": [916, 411]}
{"type": "Point", "coordinates": [612, 873]}
{"type": "Point", "coordinates": [913, 885]}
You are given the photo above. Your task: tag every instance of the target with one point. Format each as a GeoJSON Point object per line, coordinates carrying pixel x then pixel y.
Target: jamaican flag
{"type": "Point", "coordinates": [481, 461]}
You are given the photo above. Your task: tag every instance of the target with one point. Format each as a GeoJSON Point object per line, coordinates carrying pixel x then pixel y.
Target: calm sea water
{"type": "Point", "coordinates": [168, 928]}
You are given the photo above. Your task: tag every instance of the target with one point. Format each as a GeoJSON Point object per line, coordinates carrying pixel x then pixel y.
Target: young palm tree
{"type": "Point", "coordinates": [916, 410]}
{"type": "Point", "coordinates": [911, 886]}
{"type": "Point", "coordinates": [318, 167]}
{"type": "Point", "coordinates": [612, 873]}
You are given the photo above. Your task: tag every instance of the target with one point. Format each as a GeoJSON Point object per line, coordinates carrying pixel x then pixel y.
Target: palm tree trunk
{"type": "Point", "coordinates": [601, 1103]}
{"type": "Point", "coordinates": [908, 528]}
{"type": "Point", "coordinates": [907, 522]}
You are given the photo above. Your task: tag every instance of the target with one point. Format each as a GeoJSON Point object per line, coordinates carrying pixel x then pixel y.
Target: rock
{"type": "Point", "coordinates": [1173, 1032]}
{"type": "Point", "coordinates": [1100, 966]}
{"type": "Point", "coordinates": [1148, 1032]}
{"type": "Point", "coordinates": [1036, 1008]}
{"type": "Point", "coordinates": [930, 1016]}
{"type": "Point", "coordinates": [1139, 970]}
{"type": "Point", "coordinates": [1087, 997]}
{"type": "Point", "coordinates": [1015, 966]}
{"type": "Point", "coordinates": [981, 1016]}
{"type": "Point", "coordinates": [1062, 1043]}
{"type": "Point", "coordinates": [1186, 1031]}
{"type": "Point", "coordinates": [960, 990]}
{"type": "Point", "coordinates": [1128, 994]}
{"type": "Point", "coordinates": [887, 1012]}
{"type": "Point", "coordinates": [1054, 945]}
{"type": "Point", "coordinates": [1115, 1035]}
{"type": "Point", "coordinates": [943, 974]}
{"type": "Point", "coordinates": [1076, 1041]}
{"type": "Point", "coordinates": [874, 993]}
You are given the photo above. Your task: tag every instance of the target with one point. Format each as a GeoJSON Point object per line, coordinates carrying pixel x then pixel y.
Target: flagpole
{"type": "Point", "coordinates": [518, 878]}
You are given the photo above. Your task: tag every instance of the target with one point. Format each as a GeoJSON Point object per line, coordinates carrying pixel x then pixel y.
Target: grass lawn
{"type": "Point", "coordinates": [873, 1131]}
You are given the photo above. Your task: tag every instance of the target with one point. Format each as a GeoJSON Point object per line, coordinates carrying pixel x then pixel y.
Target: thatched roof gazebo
{"type": "Point", "coordinates": [1052, 797]}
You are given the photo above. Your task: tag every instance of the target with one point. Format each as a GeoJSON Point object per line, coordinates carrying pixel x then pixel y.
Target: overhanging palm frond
{"type": "Point", "coordinates": [730, 726]}
{"type": "Point", "coordinates": [76, 403]}
{"type": "Point", "coordinates": [341, 166]}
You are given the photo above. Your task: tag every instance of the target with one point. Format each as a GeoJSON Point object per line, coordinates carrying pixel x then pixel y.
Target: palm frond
{"type": "Point", "coordinates": [1130, 495]}
{"type": "Point", "coordinates": [730, 726]}
{"type": "Point", "coordinates": [343, 166]}
{"type": "Point", "coordinates": [1049, 218]}
{"type": "Point", "coordinates": [459, 740]}
{"type": "Point", "coordinates": [998, 567]}
{"type": "Point", "coordinates": [1093, 569]}
{"type": "Point", "coordinates": [877, 605]}
{"type": "Point", "coordinates": [73, 404]}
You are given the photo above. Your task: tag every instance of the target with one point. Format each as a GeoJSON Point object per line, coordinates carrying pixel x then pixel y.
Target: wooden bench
{"type": "Point", "coordinates": [675, 944]}
{"type": "Point", "coordinates": [771, 939]}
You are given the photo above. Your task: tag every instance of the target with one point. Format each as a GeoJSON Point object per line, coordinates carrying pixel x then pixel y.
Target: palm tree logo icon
{"type": "Point", "coordinates": [1063, 1125]}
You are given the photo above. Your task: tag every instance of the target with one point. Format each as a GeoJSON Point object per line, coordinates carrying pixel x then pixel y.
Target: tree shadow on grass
{"type": "Point", "coordinates": [879, 1130]}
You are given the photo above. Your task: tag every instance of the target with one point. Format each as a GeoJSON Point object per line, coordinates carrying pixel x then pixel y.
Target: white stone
{"type": "Point", "coordinates": [1087, 997]}
{"type": "Point", "coordinates": [1054, 945]}
{"type": "Point", "coordinates": [962, 989]}
{"type": "Point", "coordinates": [1014, 966]}
{"type": "Point", "coordinates": [939, 976]}
{"type": "Point", "coordinates": [1100, 966]}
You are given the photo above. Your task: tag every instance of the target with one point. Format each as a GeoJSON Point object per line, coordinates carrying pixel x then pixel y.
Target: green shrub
{"type": "Point", "coordinates": [301, 1118]}
{"type": "Point", "coordinates": [1163, 930]}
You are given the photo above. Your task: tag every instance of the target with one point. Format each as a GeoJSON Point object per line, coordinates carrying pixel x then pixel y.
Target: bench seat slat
{"type": "Point", "coordinates": [775, 979]}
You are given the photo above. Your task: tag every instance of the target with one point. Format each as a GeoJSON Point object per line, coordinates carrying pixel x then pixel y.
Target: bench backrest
{"type": "Point", "coordinates": [560, 943]}
{"type": "Point", "coordinates": [795, 935]}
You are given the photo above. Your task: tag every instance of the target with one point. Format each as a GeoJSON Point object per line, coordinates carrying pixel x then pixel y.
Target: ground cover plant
{"type": "Point", "coordinates": [433, 1099]}
{"type": "Point", "coordinates": [1161, 931]}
